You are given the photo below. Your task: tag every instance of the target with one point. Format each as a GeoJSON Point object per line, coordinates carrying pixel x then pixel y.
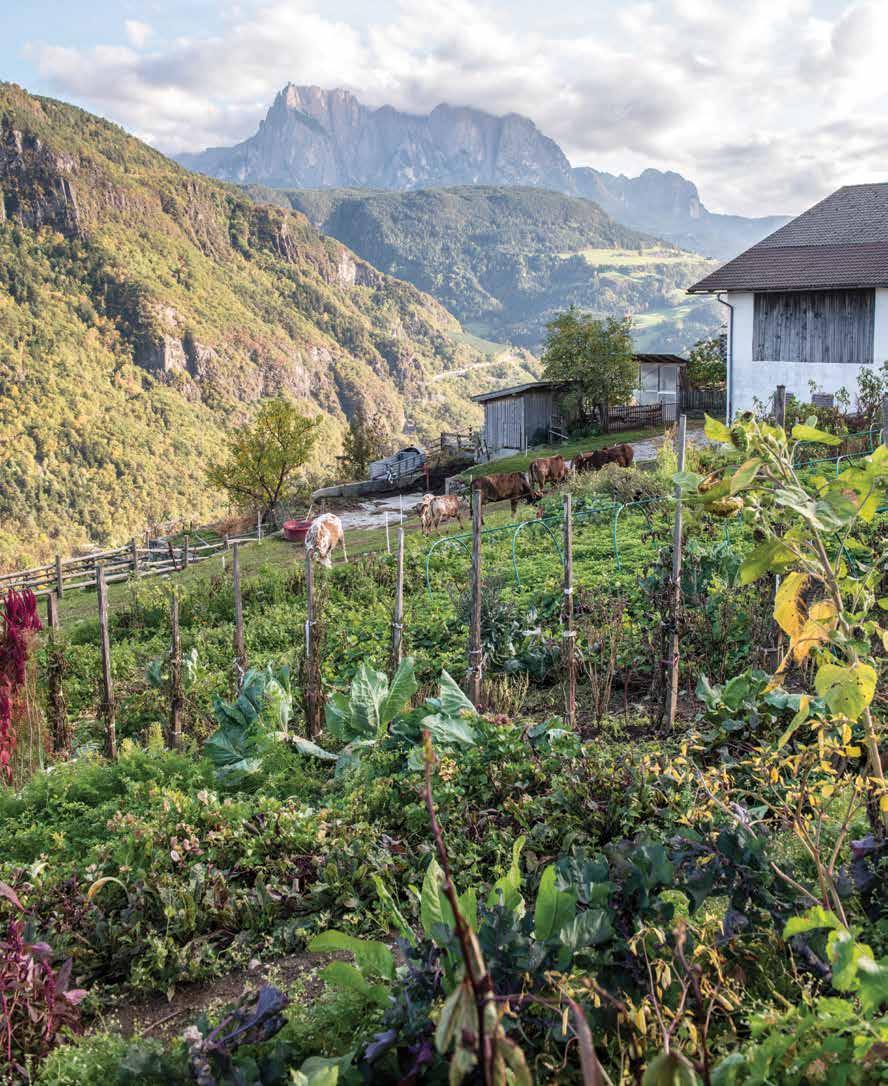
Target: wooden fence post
{"type": "Point", "coordinates": [259, 526]}
{"type": "Point", "coordinates": [109, 710]}
{"type": "Point", "coordinates": [676, 581]}
{"type": "Point", "coordinates": [780, 406]}
{"type": "Point", "coordinates": [175, 733]}
{"type": "Point", "coordinates": [60, 584]}
{"type": "Point", "coordinates": [58, 710]}
{"type": "Point", "coordinates": [186, 552]}
{"type": "Point", "coordinates": [388, 541]}
{"type": "Point", "coordinates": [475, 665]}
{"type": "Point", "coordinates": [398, 618]}
{"type": "Point", "coordinates": [134, 554]}
{"type": "Point", "coordinates": [240, 651]}
{"type": "Point", "coordinates": [568, 633]}
{"type": "Point", "coordinates": [310, 693]}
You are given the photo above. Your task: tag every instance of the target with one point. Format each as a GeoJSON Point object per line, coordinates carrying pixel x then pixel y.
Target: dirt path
{"type": "Point", "coordinates": [647, 449]}
{"type": "Point", "coordinates": [160, 1017]}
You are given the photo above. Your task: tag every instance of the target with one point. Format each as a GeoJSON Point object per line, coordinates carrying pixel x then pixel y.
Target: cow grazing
{"type": "Point", "coordinates": [323, 537]}
{"type": "Point", "coordinates": [512, 486]}
{"type": "Point", "coordinates": [622, 454]}
{"type": "Point", "coordinates": [434, 511]}
{"type": "Point", "coordinates": [548, 469]}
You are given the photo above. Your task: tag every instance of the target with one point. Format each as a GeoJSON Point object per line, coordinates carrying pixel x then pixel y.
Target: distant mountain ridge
{"type": "Point", "coordinates": [505, 260]}
{"type": "Point", "coordinates": [314, 138]}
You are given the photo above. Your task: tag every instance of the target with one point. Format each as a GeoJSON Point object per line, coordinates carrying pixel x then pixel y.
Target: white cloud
{"type": "Point", "coordinates": [138, 33]}
{"type": "Point", "coordinates": [766, 105]}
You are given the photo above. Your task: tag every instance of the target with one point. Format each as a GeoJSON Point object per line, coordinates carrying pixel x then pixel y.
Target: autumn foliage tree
{"type": "Point", "coordinates": [263, 457]}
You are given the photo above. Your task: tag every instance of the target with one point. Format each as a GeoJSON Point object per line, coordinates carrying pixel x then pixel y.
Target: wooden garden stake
{"type": "Point", "coordinates": [568, 633]}
{"type": "Point", "coordinates": [109, 710]}
{"type": "Point", "coordinates": [52, 611]}
{"type": "Point", "coordinates": [186, 552]}
{"type": "Point", "coordinates": [175, 734]}
{"type": "Point", "coordinates": [398, 618]}
{"type": "Point", "coordinates": [780, 406]}
{"type": "Point", "coordinates": [475, 666]}
{"type": "Point", "coordinates": [60, 584]}
{"type": "Point", "coordinates": [259, 526]}
{"type": "Point", "coordinates": [58, 711]}
{"type": "Point", "coordinates": [676, 580]}
{"type": "Point", "coordinates": [311, 692]}
{"type": "Point", "coordinates": [134, 554]}
{"type": "Point", "coordinates": [388, 541]}
{"type": "Point", "coordinates": [240, 651]}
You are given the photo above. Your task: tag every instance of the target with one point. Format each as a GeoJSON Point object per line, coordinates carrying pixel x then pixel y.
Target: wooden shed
{"type": "Point", "coordinates": [516, 418]}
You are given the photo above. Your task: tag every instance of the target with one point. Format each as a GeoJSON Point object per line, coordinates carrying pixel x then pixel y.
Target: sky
{"type": "Point", "coordinates": [767, 105]}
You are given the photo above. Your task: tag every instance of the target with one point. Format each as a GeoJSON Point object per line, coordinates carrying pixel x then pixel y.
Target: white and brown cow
{"type": "Point", "coordinates": [323, 536]}
{"type": "Point", "coordinates": [434, 511]}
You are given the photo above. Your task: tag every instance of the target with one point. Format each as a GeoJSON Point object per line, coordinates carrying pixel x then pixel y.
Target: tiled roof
{"type": "Point", "coordinates": [842, 242]}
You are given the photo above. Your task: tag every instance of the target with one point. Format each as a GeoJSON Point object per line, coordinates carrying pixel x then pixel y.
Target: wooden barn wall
{"type": "Point", "coordinates": [504, 423]}
{"type": "Point", "coordinates": [537, 415]}
{"type": "Point", "coordinates": [814, 327]}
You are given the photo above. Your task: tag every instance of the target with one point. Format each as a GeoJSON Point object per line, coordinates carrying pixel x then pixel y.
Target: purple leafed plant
{"type": "Point", "coordinates": [35, 1001]}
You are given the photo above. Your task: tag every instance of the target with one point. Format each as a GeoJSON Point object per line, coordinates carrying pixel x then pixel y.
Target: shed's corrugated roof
{"type": "Point", "coordinates": [842, 242]}
{"type": "Point", "coordinates": [516, 390]}
{"type": "Point", "coordinates": [661, 359]}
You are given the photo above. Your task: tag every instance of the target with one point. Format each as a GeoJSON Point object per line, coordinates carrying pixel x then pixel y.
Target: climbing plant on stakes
{"type": "Point", "coordinates": [827, 600]}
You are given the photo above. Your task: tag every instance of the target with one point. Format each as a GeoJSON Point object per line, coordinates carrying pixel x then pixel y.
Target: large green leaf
{"type": "Point", "coordinates": [344, 975]}
{"type": "Point", "coordinates": [669, 1069]}
{"type": "Point", "coordinates": [847, 690]}
{"type": "Point", "coordinates": [434, 908]}
{"type": "Point", "coordinates": [717, 431]}
{"type": "Point", "coordinates": [802, 432]}
{"type": "Point", "coordinates": [873, 979]}
{"type": "Point", "coordinates": [815, 919]}
{"type": "Point", "coordinates": [402, 689]}
{"type": "Point", "coordinates": [372, 957]}
{"type": "Point", "coordinates": [449, 731]}
{"type": "Point", "coordinates": [590, 928]}
{"type": "Point", "coordinates": [554, 908]}
{"type": "Point", "coordinates": [369, 690]}
{"type": "Point", "coordinates": [745, 475]}
{"type": "Point", "coordinates": [452, 700]}
{"type": "Point", "coordinates": [771, 556]}
{"type": "Point", "coordinates": [507, 888]}
{"type": "Point", "coordinates": [305, 746]}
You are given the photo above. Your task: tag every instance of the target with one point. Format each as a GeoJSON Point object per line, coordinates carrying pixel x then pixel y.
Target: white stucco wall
{"type": "Point", "coordinates": [753, 380]}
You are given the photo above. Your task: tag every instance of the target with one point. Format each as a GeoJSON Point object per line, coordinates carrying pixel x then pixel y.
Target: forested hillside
{"type": "Point", "coordinates": [506, 260]}
{"type": "Point", "coordinates": [143, 309]}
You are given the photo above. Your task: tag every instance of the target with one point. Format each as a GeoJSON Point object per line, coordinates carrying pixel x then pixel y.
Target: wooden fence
{"type": "Point", "coordinates": [157, 558]}
{"type": "Point", "coordinates": [635, 417]}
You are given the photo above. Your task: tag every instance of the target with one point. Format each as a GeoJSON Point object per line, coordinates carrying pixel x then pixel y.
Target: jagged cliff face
{"type": "Point", "coordinates": [667, 204]}
{"type": "Point", "coordinates": [143, 310]}
{"type": "Point", "coordinates": [313, 138]}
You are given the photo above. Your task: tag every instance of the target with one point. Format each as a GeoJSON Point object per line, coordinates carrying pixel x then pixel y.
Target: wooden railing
{"type": "Point", "coordinates": [157, 558]}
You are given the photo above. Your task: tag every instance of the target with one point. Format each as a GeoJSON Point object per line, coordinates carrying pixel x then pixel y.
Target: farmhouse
{"type": "Point", "coordinates": [809, 303]}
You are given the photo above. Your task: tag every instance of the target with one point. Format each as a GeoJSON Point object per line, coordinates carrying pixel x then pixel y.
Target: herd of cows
{"type": "Point", "coordinates": [517, 486]}
{"type": "Point", "coordinates": [326, 532]}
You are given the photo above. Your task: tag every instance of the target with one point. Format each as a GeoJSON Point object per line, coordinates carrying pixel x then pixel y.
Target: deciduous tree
{"type": "Point", "coordinates": [594, 358]}
{"type": "Point", "coordinates": [263, 456]}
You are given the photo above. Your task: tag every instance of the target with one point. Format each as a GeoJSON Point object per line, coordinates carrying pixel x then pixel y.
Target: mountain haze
{"type": "Point", "coordinates": [143, 310]}
{"type": "Point", "coordinates": [315, 138]}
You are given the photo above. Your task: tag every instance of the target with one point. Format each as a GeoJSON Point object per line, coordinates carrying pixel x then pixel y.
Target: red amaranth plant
{"type": "Point", "coordinates": [20, 623]}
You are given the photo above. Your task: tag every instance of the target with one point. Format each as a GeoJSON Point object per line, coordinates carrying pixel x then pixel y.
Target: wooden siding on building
{"type": "Point", "coordinates": [538, 410]}
{"type": "Point", "coordinates": [504, 423]}
{"type": "Point", "coordinates": [814, 326]}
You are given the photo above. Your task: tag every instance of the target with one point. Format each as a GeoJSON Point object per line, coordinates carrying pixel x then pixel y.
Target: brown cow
{"type": "Point", "coordinates": [548, 469]}
{"type": "Point", "coordinates": [622, 454]}
{"type": "Point", "coordinates": [513, 486]}
{"type": "Point", "coordinates": [435, 510]}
